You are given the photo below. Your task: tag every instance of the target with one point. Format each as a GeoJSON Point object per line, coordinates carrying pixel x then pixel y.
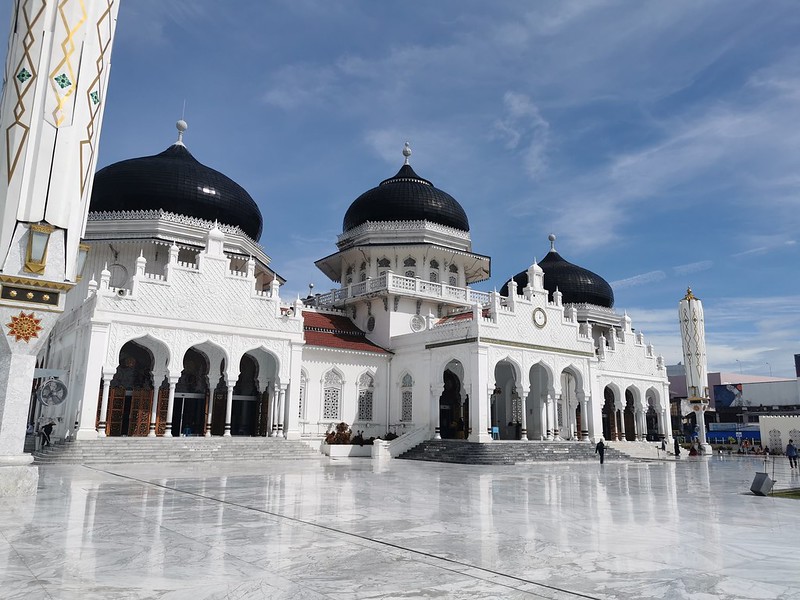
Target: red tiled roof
{"type": "Point", "coordinates": [336, 331]}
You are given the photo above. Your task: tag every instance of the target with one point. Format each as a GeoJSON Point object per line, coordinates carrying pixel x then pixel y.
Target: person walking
{"type": "Point", "coordinates": [46, 431]}
{"type": "Point", "coordinates": [791, 454]}
{"type": "Point", "coordinates": [677, 447]}
{"type": "Point", "coordinates": [600, 449]}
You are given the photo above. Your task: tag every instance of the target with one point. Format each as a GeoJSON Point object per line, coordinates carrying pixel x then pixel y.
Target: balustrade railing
{"type": "Point", "coordinates": [398, 283]}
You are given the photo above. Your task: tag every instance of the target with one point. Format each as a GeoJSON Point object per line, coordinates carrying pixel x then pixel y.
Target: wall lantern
{"type": "Point", "coordinates": [36, 254]}
{"type": "Point", "coordinates": [83, 254]}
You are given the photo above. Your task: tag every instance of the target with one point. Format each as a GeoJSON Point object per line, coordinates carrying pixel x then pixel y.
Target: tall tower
{"type": "Point", "coordinates": [52, 106]}
{"type": "Point", "coordinates": [693, 338]}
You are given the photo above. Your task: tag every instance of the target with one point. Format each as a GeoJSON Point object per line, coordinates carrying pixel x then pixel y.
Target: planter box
{"type": "Point", "coordinates": [346, 451]}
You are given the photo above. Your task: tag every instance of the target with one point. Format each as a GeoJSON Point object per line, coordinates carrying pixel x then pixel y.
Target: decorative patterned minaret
{"type": "Point", "coordinates": [51, 111]}
{"type": "Point", "coordinates": [693, 337]}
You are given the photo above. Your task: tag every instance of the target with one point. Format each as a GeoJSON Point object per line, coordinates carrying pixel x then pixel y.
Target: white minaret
{"type": "Point", "coordinates": [693, 338]}
{"type": "Point", "coordinates": [54, 93]}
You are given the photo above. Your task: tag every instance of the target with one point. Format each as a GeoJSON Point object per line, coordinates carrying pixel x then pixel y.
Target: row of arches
{"type": "Point", "coordinates": [555, 406]}
{"type": "Point", "coordinates": [141, 396]}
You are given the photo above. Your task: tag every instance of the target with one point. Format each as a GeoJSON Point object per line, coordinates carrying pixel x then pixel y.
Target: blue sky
{"type": "Point", "coordinates": [658, 140]}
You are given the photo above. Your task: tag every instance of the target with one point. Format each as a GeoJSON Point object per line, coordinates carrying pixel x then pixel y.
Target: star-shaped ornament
{"type": "Point", "coordinates": [24, 327]}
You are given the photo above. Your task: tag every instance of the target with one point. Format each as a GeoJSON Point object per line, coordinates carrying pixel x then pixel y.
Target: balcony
{"type": "Point", "coordinates": [389, 283]}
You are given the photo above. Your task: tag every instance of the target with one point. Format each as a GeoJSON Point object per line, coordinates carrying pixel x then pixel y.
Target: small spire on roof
{"type": "Point", "coordinates": [406, 152]}
{"type": "Point", "coordinates": [181, 126]}
{"type": "Point", "coordinates": [552, 238]}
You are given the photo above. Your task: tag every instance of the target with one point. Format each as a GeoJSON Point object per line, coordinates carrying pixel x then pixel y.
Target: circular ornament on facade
{"type": "Point", "coordinates": [539, 317]}
{"type": "Point", "coordinates": [417, 323]}
{"type": "Point", "coordinates": [371, 323]}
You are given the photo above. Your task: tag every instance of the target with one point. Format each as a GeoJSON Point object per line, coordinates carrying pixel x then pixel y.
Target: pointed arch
{"type": "Point", "coordinates": [366, 392]}
{"type": "Point", "coordinates": [406, 397]}
{"type": "Point", "coordinates": [332, 386]}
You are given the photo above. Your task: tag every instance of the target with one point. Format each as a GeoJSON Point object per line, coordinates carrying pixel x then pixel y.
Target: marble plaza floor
{"type": "Point", "coordinates": [402, 529]}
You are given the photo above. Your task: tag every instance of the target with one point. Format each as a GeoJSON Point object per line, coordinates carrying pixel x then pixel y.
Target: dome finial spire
{"type": "Point", "coordinates": [181, 126]}
{"type": "Point", "coordinates": [552, 238]}
{"type": "Point", "coordinates": [406, 152]}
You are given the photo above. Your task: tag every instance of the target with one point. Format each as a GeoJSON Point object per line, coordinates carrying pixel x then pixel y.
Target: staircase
{"type": "Point", "coordinates": [115, 450]}
{"type": "Point", "coordinates": [507, 453]}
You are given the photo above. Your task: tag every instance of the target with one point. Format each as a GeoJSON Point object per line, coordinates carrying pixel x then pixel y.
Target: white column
{"type": "Point", "coordinates": [292, 426]}
{"type": "Point", "coordinates": [101, 425]}
{"type": "Point", "coordinates": [543, 417]}
{"type": "Point", "coordinates": [210, 410]}
{"type": "Point", "coordinates": [157, 379]}
{"type": "Point", "coordinates": [437, 389]}
{"type": "Point", "coordinates": [584, 432]}
{"type": "Point", "coordinates": [273, 410]}
{"type": "Point", "coordinates": [173, 381]}
{"type": "Point", "coordinates": [228, 411]}
{"type": "Point", "coordinates": [479, 399]}
{"type": "Point", "coordinates": [556, 428]}
{"type": "Point", "coordinates": [621, 431]}
{"type": "Point", "coordinates": [93, 373]}
{"type": "Point", "coordinates": [524, 400]}
{"type": "Point", "coordinates": [281, 409]}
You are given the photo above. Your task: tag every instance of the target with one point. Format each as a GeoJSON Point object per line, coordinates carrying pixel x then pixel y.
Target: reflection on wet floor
{"type": "Point", "coordinates": [402, 529]}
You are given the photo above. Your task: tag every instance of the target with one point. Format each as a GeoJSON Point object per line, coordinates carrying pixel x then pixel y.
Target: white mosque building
{"type": "Point", "coordinates": [178, 326]}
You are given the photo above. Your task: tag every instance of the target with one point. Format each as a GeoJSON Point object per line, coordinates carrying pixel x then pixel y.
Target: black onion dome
{"type": "Point", "coordinates": [176, 182]}
{"type": "Point", "coordinates": [406, 197]}
{"type": "Point", "coordinates": [576, 284]}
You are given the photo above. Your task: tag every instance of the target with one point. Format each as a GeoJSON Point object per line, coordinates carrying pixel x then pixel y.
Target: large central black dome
{"type": "Point", "coordinates": [576, 284]}
{"type": "Point", "coordinates": [406, 197]}
{"type": "Point", "coordinates": [176, 182]}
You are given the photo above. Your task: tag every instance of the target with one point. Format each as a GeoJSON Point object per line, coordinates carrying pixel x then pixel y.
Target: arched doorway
{"type": "Point", "coordinates": [610, 418]}
{"type": "Point", "coordinates": [630, 416]}
{"type": "Point", "coordinates": [453, 408]}
{"type": "Point", "coordinates": [535, 403]}
{"type": "Point", "coordinates": [506, 405]}
{"type": "Point", "coordinates": [245, 409]}
{"type": "Point", "coordinates": [568, 417]}
{"type": "Point", "coordinates": [191, 393]}
{"type": "Point", "coordinates": [131, 393]}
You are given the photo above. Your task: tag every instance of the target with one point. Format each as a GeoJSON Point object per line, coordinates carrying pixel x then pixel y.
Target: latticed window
{"type": "Point", "coordinates": [516, 407]}
{"type": "Point", "coordinates": [434, 277]}
{"type": "Point", "coordinates": [453, 279]}
{"type": "Point", "coordinates": [366, 385]}
{"type": "Point", "coordinates": [409, 265]}
{"type": "Point", "coordinates": [303, 381]}
{"type": "Point", "coordinates": [331, 395]}
{"type": "Point", "coordinates": [406, 398]}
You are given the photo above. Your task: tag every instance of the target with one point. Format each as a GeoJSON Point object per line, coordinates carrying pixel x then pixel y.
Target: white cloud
{"type": "Point", "coordinates": [522, 123]}
{"type": "Point", "coordinates": [695, 267]}
{"type": "Point", "coordinates": [642, 279]}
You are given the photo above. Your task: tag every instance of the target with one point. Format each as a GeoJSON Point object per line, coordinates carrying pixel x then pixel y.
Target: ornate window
{"type": "Point", "coordinates": [410, 267]}
{"type": "Point", "coordinates": [331, 395]}
{"type": "Point", "coordinates": [363, 272]}
{"type": "Point", "coordinates": [383, 265]}
{"type": "Point", "coordinates": [406, 398]}
{"type": "Point", "coordinates": [453, 279]}
{"type": "Point", "coordinates": [366, 386]}
{"type": "Point", "coordinates": [303, 384]}
{"type": "Point", "coordinates": [434, 264]}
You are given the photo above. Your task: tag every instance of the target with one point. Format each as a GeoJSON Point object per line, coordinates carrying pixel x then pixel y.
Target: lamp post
{"type": "Point", "coordinates": [770, 369]}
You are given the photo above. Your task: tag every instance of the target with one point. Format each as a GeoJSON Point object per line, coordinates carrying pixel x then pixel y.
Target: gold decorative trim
{"type": "Point", "coordinates": [95, 108]}
{"type": "Point", "coordinates": [67, 50]}
{"type": "Point", "coordinates": [28, 41]}
{"type": "Point", "coordinates": [37, 283]}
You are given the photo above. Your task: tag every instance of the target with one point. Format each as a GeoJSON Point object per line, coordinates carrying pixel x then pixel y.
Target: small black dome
{"type": "Point", "coordinates": [176, 182]}
{"type": "Point", "coordinates": [576, 284]}
{"type": "Point", "coordinates": [406, 197]}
